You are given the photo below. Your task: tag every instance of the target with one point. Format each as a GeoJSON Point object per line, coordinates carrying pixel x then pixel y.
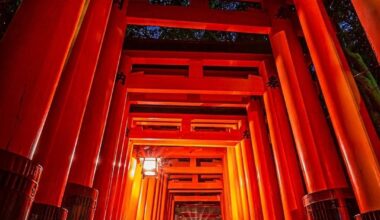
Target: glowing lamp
{"type": "Point", "coordinates": [149, 166]}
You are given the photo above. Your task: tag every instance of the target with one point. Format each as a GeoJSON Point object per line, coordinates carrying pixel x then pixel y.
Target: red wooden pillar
{"type": "Point", "coordinates": [368, 12]}
{"type": "Point", "coordinates": [128, 187]}
{"type": "Point", "coordinates": [268, 186]}
{"type": "Point", "coordinates": [87, 150]}
{"type": "Point", "coordinates": [32, 54]}
{"type": "Point", "coordinates": [316, 150]}
{"type": "Point", "coordinates": [251, 179]}
{"type": "Point", "coordinates": [124, 177]}
{"type": "Point", "coordinates": [56, 147]}
{"type": "Point", "coordinates": [109, 152]}
{"type": "Point", "coordinates": [288, 170]}
{"type": "Point", "coordinates": [118, 169]}
{"type": "Point", "coordinates": [354, 141]}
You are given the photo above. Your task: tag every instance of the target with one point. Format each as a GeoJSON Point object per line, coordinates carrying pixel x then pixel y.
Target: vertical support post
{"type": "Point", "coordinates": [95, 118]}
{"type": "Point", "coordinates": [133, 201]}
{"type": "Point", "coordinates": [142, 198]}
{"type": "Point", "coordinates": [233, 186]}
{"type": "Point", "coordinates": [123, 177]}
{"type": "Point", "coordinates": [148, 211]}
{"type": "Point", "coordinates": [107, 167]}
{"type": "Point", "coordinates": [80, 181]}
{"type": "Point", "coordinates": [31, 63]}
{"type": "Point", "coordinates": [59, 137]}
{"type": "Point", "coordinates": [128, 186]}
{"type": "Point", "coordinates": [87, 151]}
{"type": "Point", "coordinates": [368, 12]}
{"type": "Point", "coordinates": [163, 200]}
{"type": "Point", "coordinates": [268, 186]}
{"type": "Point", "coordinates": [157, 193]}
{"type": "Point", "coordinates": [118, 167]}
{"type": "Point", "coordinates": [318, 156]}
{"type": "Point", "coordinates": [27, 90]}
{"type": "Point", "coordinates": [226, 188]}
{"type": "Point", "coordinates": [251, 179]}
{"type": "Point", "coordinates": [242, 183]}
{"type": "Point", "coordinates": [355, 144]}
{"type": "Point", "coordinates": [284, 152]}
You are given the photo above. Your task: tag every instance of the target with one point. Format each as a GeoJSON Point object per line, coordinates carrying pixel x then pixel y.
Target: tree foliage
{"type": "Point", "coordinates": [214, 4]}
{"type": "Point", "coordinates": [164, 33]}
{"type": "Point", "coordinates": [233, 5]}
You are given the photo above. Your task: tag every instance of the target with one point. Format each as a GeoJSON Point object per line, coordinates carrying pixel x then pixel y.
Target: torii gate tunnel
{"type": "Point", "coordinates": [96, 124]}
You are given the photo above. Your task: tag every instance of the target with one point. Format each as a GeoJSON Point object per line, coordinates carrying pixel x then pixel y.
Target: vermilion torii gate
{"type": "Point", "coordinates": [64, 114]}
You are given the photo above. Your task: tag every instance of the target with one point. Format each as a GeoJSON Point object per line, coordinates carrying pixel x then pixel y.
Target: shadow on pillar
{"type": "Point", "coordinates": [336, 204]}
{"type": "Point", "coordinates": [19, 178]}
{"type": "Point", "coordinates": [80, 201]}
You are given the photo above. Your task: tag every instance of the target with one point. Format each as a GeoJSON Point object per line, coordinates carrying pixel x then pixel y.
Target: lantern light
{"type": "Point", "coordinates": [150, 166]}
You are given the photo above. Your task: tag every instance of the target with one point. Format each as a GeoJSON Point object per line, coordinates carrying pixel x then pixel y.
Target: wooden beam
{"type": "Point", "coordinates": [192, 186]}
{"type": "Point", "coordinates": [198, 191]}
{"type": "Point", "coordinates": [197, 198]}
{"type": "Point", "coordinates": [184, 142]}
{"type": "Point", "coordinates": [194, 139]}
{"type": "Point", "coordinates": [188, 100]}
{"type": "Point", "coordinates": [187, 152]}
{"type": "Point", "coordinates": [184, 58]}
{"type": "Point", "coordinates": [140, 83]}
{"type": "Point", "coordinates": [140, 12]}
{"type": "Point", "coordinates": [192, 170]}
{"type": "Point", "coordinates": [184, 103]}
{"type": "Point", "coordinates": [189, 117]}
{"type": "Point", "coordinates": [180, 176]}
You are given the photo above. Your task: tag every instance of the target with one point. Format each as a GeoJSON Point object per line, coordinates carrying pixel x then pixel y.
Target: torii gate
{"type": "Point", "coordinates": [59, 62]}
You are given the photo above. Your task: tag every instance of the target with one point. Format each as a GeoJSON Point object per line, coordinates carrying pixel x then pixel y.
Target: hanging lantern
{"type": "Point", "coordinates": [150, 166]}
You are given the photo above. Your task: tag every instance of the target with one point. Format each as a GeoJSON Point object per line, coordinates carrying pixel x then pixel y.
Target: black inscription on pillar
{"type": "Point", "coordinates": [273, 82]}
{"type": "Point", "coordinates": [246, 134]}
{"type": "Point", "coordinates": [121, 77]}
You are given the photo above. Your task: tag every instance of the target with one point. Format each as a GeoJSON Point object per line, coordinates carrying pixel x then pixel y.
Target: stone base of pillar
{"type": "Point", "coordinates": [19, 178]}
{"type": "Point", "coordinates": [335, 204]}
{"type": "Point", "coordinates": [47, 212]}
{"type": "Point", "coordinates": [80, 201]}
{"type": "Point", "coordinates": [375, 215]}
